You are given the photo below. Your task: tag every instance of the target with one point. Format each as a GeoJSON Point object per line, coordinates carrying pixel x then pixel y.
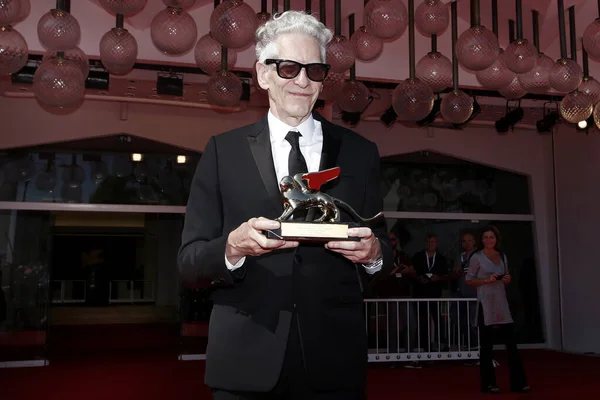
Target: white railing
{"type": "Point", "coordinates": [406, 330]}
{"type": "Point", "coordinates": [131, 292]}
{"type": "Point", "coordinates": [421, 329]}
{"type": "Point", "coordinates": [66, 291]}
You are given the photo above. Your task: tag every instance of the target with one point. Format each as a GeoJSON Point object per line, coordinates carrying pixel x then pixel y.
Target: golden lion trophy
{"type": "Point", "coordinates": [301, 193]}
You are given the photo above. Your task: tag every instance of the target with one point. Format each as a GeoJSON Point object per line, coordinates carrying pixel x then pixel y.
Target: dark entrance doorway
{"type": "Point", "coordinates": [97, 258]}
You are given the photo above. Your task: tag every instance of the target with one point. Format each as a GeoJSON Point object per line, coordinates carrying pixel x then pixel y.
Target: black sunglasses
{"type": "Point", "coordinates": [288, 69]}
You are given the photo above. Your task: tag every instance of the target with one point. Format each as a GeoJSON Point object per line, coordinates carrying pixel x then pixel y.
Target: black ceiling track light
{"type": "Point", "coordinates": [353, 118]}
{"type": "Point", "coordinates": [511, 118]}
{"type": "Point", "coordinates": [547, 123]}
{"type": "Point", "coordinates": [389, 117]}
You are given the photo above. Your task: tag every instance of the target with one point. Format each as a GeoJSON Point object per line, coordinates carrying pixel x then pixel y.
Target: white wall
{"type": "Point", "coordinates": [578, 192]}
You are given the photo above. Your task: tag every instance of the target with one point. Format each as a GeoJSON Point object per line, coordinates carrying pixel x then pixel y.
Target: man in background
{"type": "Point", "coordinates": [432, 274]}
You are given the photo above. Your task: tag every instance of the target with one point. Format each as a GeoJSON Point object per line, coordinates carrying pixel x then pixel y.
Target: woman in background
{"type": "Point", "coordinates": [488, 272]}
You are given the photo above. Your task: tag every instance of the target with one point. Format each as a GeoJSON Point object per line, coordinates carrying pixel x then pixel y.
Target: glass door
{"type": "Point", "coordinates": [24, 286]}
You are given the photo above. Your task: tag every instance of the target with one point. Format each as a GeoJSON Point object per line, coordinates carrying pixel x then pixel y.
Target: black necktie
{"type": "Point", "coordinates": [296, 161]}
{"type": "Point", "coordinates": [296, 165]}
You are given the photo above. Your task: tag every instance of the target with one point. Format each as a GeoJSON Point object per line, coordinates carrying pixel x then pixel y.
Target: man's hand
{"type": "Point", "coordinates": [365, 251]}
{"type": "Point", "coordinates": [457, 273]}
{"type": "Point", "coordinates": [409, 271]}
{"type": "Point", "coordinates": [248, 240]}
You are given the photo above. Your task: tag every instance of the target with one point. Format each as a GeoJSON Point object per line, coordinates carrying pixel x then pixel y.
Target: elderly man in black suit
{"type": "Point", "coordinates": [288, 317]}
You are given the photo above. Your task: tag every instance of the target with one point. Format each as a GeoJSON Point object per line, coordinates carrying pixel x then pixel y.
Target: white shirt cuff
{"type": "Point", "coordinates": [374, 267]}
{"type": "Point", "coordinates": [233, 267]}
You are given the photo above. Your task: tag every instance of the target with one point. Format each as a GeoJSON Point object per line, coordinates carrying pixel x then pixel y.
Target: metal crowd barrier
{"type": "Point", "coordinates": [131, 292]}
{"type": "Point", "coordinates": [125, 291]}
{"type": "Point", "coordinates": [68, 291]}
{"type": "Point", "coordinates": [407, 330]}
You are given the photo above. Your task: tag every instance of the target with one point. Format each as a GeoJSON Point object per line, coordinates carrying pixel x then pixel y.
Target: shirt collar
{"type": "Point", "coordinates": [279, 129]}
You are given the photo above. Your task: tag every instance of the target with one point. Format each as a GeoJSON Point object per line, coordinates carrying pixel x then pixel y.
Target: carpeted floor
{"type": "Point", "coordinates": [112, 363]}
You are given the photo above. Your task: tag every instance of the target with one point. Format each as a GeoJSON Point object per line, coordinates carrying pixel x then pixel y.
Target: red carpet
{"type": "Point", "coordinates": [149, 369]}
{"type": "Point", "coordinates": [67, 340]}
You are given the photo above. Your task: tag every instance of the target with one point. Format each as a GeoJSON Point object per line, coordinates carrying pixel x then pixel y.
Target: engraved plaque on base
{"type": "Point", "coordinates": [311, 231]}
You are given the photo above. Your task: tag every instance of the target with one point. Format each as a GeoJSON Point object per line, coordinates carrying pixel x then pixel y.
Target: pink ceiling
{"type": "Point", "coordinates": [143, 19]}
{"type": "Point", "coordinates": [392, 65]}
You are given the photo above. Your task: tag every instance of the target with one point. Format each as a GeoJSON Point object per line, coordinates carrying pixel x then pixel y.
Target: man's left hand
{"type": "Point", "coordinates": [365, 251]}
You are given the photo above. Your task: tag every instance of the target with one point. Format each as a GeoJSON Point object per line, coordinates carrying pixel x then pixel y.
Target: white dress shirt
{"type": "Point", "coordinates": [311, 143]}
{"type": "Point", "coordinates": [311, 146]}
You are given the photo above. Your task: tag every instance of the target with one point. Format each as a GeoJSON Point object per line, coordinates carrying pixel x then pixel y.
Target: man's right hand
{"type": "Point", "coordinates": [248, 239]}
{"type": "Point", "coordinates": [457, 273]}
{"type": "Point", "coordinates": [408, 270]}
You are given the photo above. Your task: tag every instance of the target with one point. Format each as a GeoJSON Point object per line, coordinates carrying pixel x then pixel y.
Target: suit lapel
{"type": "Point", "coordinates": [260, 145]}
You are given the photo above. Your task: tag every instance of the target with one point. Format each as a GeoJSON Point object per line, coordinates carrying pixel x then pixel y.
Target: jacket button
{"type": "Point", "coordinates": [297, 259]}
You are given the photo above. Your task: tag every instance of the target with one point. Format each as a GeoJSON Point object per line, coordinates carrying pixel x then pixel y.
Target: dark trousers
{"type": "Point", "coordinates": [463, 316]}
{"type": "Point", "coordinates": [506, 333]}
{"type": "Point", "coordinates": [293, 383]}
{"type": "Point", "coordinates": [402, 326]}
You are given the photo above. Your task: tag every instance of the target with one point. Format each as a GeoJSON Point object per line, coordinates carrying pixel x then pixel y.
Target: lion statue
{"type": "Point", "coordinates": [298, 196]}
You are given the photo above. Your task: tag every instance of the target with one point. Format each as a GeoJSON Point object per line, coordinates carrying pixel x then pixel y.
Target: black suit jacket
{"type": "Point", "coordinates": [440, 267]}
{"type": "Point", "coordinates": [253, 305]}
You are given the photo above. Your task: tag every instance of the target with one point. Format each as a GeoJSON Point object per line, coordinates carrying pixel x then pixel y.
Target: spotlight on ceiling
{"type": "Point", "coordinates": [509, 120]}
{"type": "Point", "coordinates": [319, 105]}
{"type": "Point", "coordinates": [352, 118]}
{"type": "Point", "coordinates": [586, 124]}
{"type": "Point", "coordinates": [245, 90]}
{"type": "Point", "coordinates": [24, 75]}
{"type": "Point", "coordinates": [546, 124]}
{"type": "Point", "coordinates": [98, 78]}
{"type": "Point", "coordinates": [170, 84]}
{"type": "Point", "coordinates": [389, 117]}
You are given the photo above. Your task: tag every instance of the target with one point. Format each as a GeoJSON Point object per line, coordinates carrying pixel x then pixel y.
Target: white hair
{"type": "Point", "coordinates": [290, 22]}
